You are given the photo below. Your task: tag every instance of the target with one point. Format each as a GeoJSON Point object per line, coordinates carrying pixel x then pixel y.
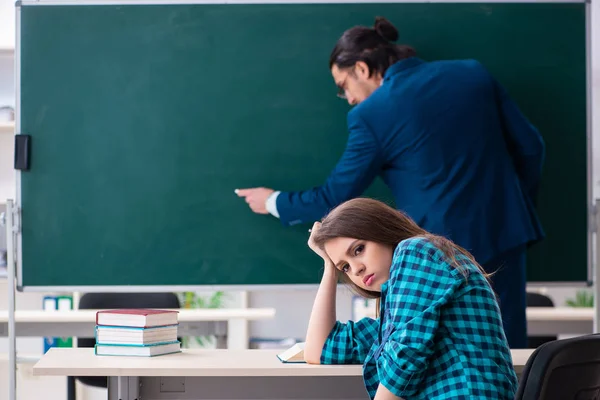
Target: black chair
{"type": "Point", "coordinates": [567, 369]}
{"type": "Point", "coordinates": [103, 301]}
{"type": "Point", "coordinates": [538, 300]}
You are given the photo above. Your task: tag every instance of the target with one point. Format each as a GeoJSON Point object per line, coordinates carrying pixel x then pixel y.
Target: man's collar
{"type": "Point", "coordinates": [401, 65]}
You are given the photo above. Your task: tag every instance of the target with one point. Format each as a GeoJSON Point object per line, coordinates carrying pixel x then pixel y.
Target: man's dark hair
{"type": "Point", "coordinates": [374, 46]}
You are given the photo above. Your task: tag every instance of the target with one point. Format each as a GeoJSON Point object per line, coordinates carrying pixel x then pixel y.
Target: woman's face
{"type": "Point", "coordinates": [367, 264]}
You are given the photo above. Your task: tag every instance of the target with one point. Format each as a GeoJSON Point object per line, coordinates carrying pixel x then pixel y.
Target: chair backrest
{"type": "Point", "coordinates": [525, 375]}
{"type": "Point", "coordinates": [128, 300]}
{"type": "Point", "coordinates": [567, 369]}
{"type": "Point", "coordinates": [538, 300]}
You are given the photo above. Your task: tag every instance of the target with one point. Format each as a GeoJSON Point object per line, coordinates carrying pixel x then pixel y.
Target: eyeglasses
{"type": "Point", "coordinates": [342, 89]}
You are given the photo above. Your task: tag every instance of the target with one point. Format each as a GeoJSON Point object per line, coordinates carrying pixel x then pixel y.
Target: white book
{"type": "Point", "coordinates": [140, 336]}
{"type": "Point", "coordinates": [294, 354]}
{"type": "Point", "coordinates": [141, 351]}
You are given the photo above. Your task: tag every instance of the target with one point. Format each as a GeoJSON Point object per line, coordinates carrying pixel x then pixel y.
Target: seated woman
{"type": "Point", "coordinates": [438, 334]}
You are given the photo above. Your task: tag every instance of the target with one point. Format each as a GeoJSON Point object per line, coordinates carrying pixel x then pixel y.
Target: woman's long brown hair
{"type": "Point", "coordinates": [374, 221]}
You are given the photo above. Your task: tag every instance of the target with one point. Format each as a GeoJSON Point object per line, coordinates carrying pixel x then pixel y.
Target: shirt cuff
{"type": "Point", "coordinates": [400, 369]}
{"type": "Point", "coordinates": [271, 204]}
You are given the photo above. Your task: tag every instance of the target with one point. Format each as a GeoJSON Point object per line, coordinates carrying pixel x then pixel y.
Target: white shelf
{"type": "Point", "coordinates": [27, 358]}
{"type": "Point", "coordinates": [7, 127]}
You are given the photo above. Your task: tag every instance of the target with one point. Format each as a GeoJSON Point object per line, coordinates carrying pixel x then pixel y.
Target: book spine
{"type": "Point", "coordinates": [137, 327]}
{"type": "Point", "coordinates": [139, 345]}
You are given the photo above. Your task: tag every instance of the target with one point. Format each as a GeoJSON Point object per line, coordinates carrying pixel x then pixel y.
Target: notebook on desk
{"type": "Point", "coordinates": [294, 354]}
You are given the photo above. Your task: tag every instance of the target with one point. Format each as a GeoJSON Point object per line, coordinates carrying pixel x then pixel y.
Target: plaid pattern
{"type": "Point", "coordinates": [440, 337]}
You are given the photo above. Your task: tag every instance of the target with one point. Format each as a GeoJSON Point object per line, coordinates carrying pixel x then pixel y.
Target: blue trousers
{"type": "Point", "coordinates": [509, 284]}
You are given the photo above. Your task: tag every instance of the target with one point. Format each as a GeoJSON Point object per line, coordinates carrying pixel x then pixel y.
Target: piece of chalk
{"type": "Point", "coordinates": [236, 191]}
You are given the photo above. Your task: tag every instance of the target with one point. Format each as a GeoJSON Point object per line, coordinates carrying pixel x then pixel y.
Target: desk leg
{"type": "Point", "coordinates": [123, 388]}
{"type": "Point", "coordinates": [12, 278]}
{"type": "Point", "coordinates": [71, 387]}
{"type": "Point", "coordinates": [221, 341]}
{"type": "Point", "coordinates": [113, 386]}
{"type": "Point", "coordinates": [221, 328]}
{"type": "Point", "coordinates": [596, 272]}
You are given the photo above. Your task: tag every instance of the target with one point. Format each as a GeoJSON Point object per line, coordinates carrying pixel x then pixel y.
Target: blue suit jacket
{"type": "Point", "coordinates": [457, 153]}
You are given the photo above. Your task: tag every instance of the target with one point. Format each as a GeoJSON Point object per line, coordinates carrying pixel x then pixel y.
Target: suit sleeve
{"type": "Point", "coordinates": [524, 142]}
{"type": "Point", "coordinates": [354, 172]}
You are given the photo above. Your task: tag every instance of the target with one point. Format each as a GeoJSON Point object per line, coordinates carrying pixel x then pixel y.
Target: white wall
{"type": "Point", "coordinates": [7, 24]}
{"type": "Point", "coordinates": [7, 97]}
{"type": "Point", "coordinates": [7, 86]}
{"type": "Point", "coordinates": [7, 174]}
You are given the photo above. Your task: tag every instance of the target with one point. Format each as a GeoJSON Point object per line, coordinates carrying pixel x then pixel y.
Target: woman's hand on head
{"type": "Point", "coordinates": [313, 246]}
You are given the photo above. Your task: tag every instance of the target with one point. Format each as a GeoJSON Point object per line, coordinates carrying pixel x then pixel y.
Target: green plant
{"type": "Point", "coordinates": [194, 300]}
{"type": "Point", "coordinates": [582, 299]}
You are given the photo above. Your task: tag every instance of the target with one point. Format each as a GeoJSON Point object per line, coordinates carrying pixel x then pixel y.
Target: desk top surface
{"type": "Point", "coordinates": [83, 362]}
{"type": "Point", "coordinates": [560, 314]}
{"type": "Point", "coordinates": [185, 315]}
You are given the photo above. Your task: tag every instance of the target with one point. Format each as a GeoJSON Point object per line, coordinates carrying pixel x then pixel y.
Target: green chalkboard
{"type": "Point", "coordinates": [145, 118]}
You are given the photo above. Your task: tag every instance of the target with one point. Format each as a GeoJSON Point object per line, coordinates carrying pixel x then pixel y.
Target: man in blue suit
{"type": "Point", "coordinates": [457, 153]}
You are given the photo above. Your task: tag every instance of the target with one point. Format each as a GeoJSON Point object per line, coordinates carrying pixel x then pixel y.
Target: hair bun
{"type": "Point", "coordinates": [385, 29]}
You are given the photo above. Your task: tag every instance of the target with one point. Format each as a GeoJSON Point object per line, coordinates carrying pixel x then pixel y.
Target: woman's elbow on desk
{"type": "Point", "coordinates": [311, 357]}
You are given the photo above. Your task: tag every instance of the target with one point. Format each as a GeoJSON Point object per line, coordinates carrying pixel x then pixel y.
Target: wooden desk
{"type": "Point", "coordinates": [81, 323]}
{"type": "Point", "coordinates": [215, 374]}
{"type": "Point", "coordinates": [559, 320]}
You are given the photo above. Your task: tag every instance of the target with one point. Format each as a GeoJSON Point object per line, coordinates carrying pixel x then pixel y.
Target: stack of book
{"type": "Point", "coordinates": [136, 332]}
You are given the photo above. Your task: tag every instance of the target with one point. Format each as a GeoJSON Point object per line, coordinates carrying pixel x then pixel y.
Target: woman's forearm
{"type": "Point", "coordinates": [322, 317]}
{"type": "Point", "coordinates": [384, 394]}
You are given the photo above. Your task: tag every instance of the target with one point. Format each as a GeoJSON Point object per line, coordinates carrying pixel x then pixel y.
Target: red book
{"type": "Point", "coordinates": [139, 318]}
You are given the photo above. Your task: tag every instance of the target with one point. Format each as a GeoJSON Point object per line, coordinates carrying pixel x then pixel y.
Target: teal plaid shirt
{"type": "Point", "coordinates": [439, 334]}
